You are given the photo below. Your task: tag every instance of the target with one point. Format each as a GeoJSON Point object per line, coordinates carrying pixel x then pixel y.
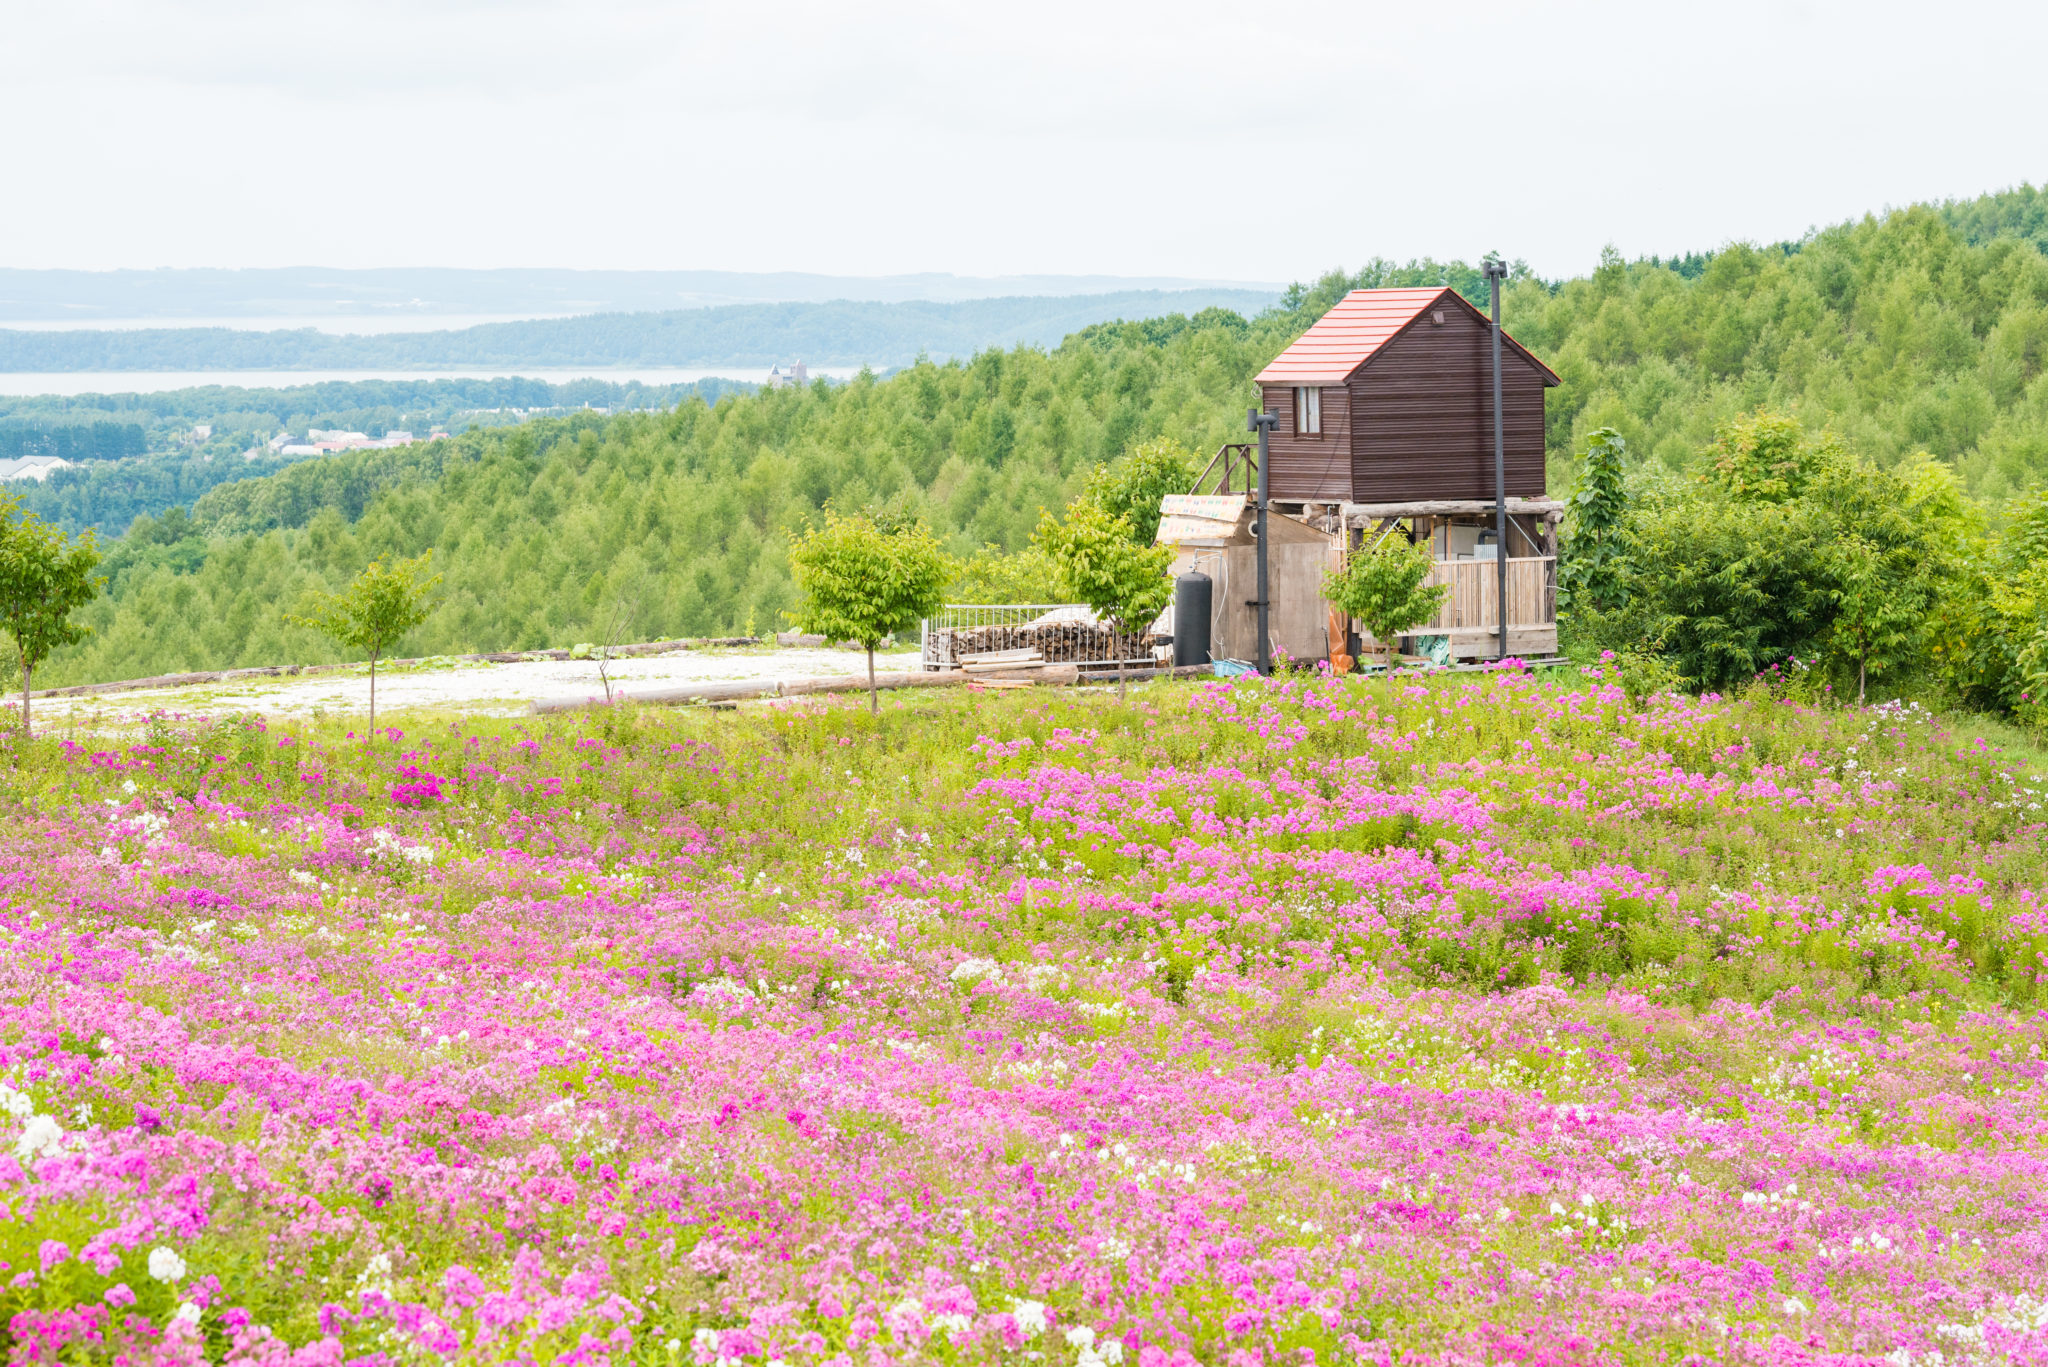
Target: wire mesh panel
{"type": "Point", "coordinates": [1062, 633]}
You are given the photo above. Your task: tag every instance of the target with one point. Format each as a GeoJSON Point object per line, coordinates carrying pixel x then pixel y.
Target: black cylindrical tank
{"type": "Point", "coordinates": [1192, 596]}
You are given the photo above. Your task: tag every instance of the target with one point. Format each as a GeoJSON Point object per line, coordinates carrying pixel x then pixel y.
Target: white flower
{"type": "Point", "coordinates": [953, 1322]}
{"type": "Point", "coordinates": [1029, 1317]}
{"type": "Point", "coordinates": [1080, 1336]}
{"type": "Point", "coordinates": [972, 970]}
{"type": "Point", "coordinates": [41, 1135]}
{"type": "Point", "coordinates": [188, 1313]}
{"type": "Point", "coordinates": [1794, 1306]}
{"type": "Point", "coordinates": [165, 1265]}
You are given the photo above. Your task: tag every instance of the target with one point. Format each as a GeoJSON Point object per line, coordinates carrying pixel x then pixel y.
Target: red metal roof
{"type": "Point", "coordinates": [1362, 322]}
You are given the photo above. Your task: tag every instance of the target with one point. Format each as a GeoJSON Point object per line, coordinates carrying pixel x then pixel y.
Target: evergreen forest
{"type": "Point", "coordinates": [1900, 353]}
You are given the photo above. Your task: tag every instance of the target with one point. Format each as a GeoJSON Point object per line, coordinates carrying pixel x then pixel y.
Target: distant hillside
{"type": "Point", "coordinates": [423, 292]}
{"type": "Point", "coordinates": [843, 332]}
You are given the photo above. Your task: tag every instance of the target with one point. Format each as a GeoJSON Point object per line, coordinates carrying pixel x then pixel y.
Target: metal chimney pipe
{"type": "Point", "coordinates": [1495, 270]}
{"type": "Point", "coordinates": [1263, 423]}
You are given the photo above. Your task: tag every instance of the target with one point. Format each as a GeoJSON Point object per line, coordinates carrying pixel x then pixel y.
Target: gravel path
{"type": "Point", "coordinates": [488, 689]}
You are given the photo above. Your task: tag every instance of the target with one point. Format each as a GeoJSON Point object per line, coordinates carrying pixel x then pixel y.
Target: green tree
{"type": "Point", "coordinates": [1590, 568]}
{"type": "Point", "coordinates": [44, 578]}
{"type": "Point", "coordinates": [1729, 589]}
{"type": "Point", "coordinates": [1766, 457]}
{"type": "Point", "coordinates": [1132, 485]}
{"type": "Point", "coordinates": [992, 575]}
{"type": "Point", "coordinates": [864, 579]}
{"type": "Point", "coordinates": [1101, 563]}
{"type": "Point", "coordinates": [1880, 607]}
{"type": "Point", "coordinates": [1381, 587]}
{"type": "Point", "coordinates": [374, 612]}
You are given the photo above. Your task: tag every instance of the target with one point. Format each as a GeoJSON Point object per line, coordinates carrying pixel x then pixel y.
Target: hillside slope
{"type": "Point", "coordinates": [1898, 332]}
{"type": "Point", "coordinates": [840, 332]}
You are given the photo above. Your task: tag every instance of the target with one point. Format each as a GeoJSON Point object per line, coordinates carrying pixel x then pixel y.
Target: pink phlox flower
{"type": "Point", "coordinates": [461, 1287]}
{"type": "Point", "coordinates": [500, 1310]}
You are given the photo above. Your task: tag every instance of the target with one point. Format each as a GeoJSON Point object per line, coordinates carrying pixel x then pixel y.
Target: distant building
{"type": "Point", "coordinates": [797, 374]}
{"type": "Point", "coordinates": [326, 441]}
{"type": "Point", "coordinates": [202, 431]}
{"type": "Point", "coordinates": [37, 468]}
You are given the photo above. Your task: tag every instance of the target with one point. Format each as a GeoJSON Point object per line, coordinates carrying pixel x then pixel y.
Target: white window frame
{"type": "Point", "coordinates": [1308, 411]}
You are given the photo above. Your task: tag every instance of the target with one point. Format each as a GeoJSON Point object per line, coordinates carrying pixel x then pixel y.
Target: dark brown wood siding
{"type": "Point", "coordinates": [1422, 415]}
{"type": "Point", "coordinates": [1311, 467]}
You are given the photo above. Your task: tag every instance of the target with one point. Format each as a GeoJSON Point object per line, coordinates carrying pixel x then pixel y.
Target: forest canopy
{"type": "Point", "coordinates": [1919, 333]}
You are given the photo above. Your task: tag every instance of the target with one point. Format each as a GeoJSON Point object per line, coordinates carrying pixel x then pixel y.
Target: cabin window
{"type": "Point", "coordinates": [1308, 412]}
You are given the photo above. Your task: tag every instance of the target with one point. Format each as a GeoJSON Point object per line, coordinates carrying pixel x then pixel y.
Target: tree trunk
{"type": "Point", "coordinates": [1860, 666]}
{"type": "Point", "coordinates": [874, 698]}
{"type": "Point", "coordinates": [1119, 674]}
{"type": "Point", "coordinates": [27, 670]}
{"type": "Point", "coordinates": [373, 696]}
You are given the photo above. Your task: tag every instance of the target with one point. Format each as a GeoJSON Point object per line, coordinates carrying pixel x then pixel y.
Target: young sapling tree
{"type": "Point", "coordinates": [618, 620]}
{"type": "Point", "coordinates": [1880, 607]}
{"type": "Point", "coordinates": [374, 612]}
{"type": "Point", "coordinates": [44, 578]}
{"type": "Point", "coordinates": [1100, 563]}
{"type": "Point", "coordinates": [1382, 587]}
{"type": "Point", "coordinates": [864, 579]}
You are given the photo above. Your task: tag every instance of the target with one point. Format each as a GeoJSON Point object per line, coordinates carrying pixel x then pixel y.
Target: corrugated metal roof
{"type": "Point", "coordinates": [1360, 323]}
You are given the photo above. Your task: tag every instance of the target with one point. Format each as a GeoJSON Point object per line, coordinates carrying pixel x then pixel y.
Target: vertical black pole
{"type": "Point", "coordinates": [1495, 269]}
{"type": "Point", "coordinates": [1262, 423]}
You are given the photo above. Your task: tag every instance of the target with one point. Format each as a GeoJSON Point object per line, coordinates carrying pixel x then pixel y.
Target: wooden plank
{"type": "Point", "coordinates": [1359, 513]}
{"type": "Point", "coordinates": [1004, 656]}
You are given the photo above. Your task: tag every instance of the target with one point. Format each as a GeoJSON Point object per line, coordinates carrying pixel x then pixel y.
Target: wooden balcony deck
{"type": "Point", "coordinates": [1470, 616]}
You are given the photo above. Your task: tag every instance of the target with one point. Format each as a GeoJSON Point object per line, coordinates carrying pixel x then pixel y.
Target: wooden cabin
{"type": "Point", "coordinates": [1385, 410]}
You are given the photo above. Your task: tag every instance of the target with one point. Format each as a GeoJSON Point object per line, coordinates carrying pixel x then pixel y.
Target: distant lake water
{"type": "Point", "coordinates": [20, 383]}
{"type": "Point", "coordinates": [341, 323]}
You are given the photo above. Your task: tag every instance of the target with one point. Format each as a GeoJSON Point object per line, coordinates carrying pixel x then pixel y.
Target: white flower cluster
{"type": "Point", "coordinates": [1091, 1352]}
{"type": "Point", "coordinates": [149, 827]}
{"type": "Point", "coordinates": [974, 970]}
{"type": "Point", "coordinates": [723, 995]}
{"type": "Point", "coordinates": [385, 843]}
{"type": "Point", "coordinates": [1775, 1200]}
{"type": "Point", "coordinates": [41, 1135]}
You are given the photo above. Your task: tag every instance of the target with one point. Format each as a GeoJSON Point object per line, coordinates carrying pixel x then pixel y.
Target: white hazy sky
{"type": "Point", "coordinates": [1228, 141]}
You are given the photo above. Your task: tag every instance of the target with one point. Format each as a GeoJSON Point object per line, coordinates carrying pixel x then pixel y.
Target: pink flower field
{"type": "Point", "coordinates": [1490, 1019]}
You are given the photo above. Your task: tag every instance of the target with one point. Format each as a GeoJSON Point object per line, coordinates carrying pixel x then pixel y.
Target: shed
{"type": "Point", "coordinates": [1214, 534]}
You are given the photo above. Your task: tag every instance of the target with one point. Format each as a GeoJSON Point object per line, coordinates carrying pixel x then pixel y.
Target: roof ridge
{"type": "Point", "coordinates": [1352, 331]}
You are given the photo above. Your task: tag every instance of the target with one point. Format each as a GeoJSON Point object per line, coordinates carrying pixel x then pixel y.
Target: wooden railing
{"type": "Point", "coordinates": [1240, 463]}
{"type": "Point", "coordinates": [1474, 599]}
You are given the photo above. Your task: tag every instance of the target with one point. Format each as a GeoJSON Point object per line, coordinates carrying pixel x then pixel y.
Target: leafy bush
{"type": "Point", "coordinates": [1381, 587]}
